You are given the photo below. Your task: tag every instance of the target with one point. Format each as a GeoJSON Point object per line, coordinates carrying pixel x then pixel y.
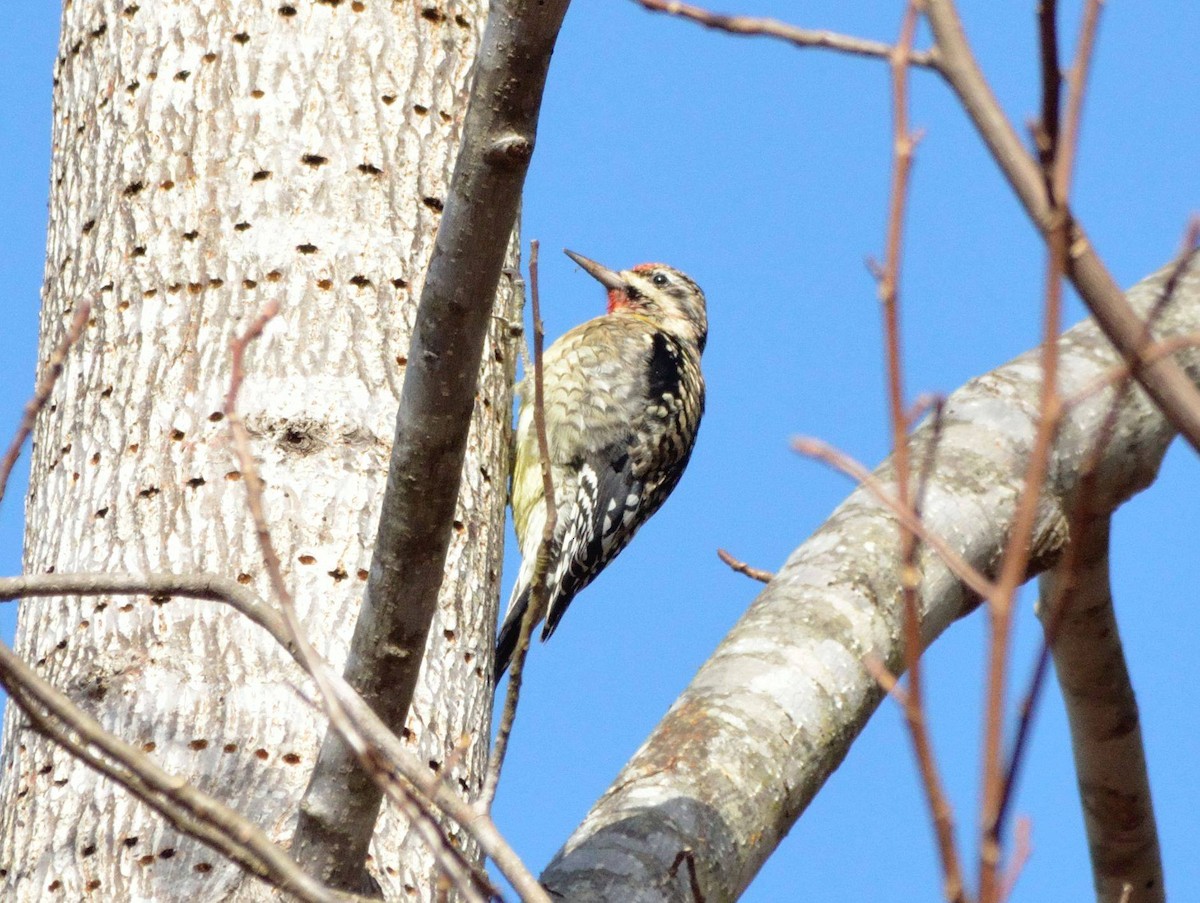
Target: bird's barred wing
{"type": "Point", "coordinates": [606, 514]}
{"type": "Point", "coordinates": [622, 484]}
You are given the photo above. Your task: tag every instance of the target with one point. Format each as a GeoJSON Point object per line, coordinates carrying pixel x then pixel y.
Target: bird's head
{"type": "Point", "coordinates": [657, 292]}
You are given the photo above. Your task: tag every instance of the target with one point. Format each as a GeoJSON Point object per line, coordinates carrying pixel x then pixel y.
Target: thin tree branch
{"type": "Point", "coordinates": [1122, 372]}
{"type": "Point", "coordinates": [929, 459]}
{"type": "Point", "coordinates": [838, 460]}
{"type": "Point", "coordinates": [742, 568]}
{"type": "Point", "coordinates": [1106, 737]}
{"type": "Point", "coordinates": [545, 553]}
{"type": "Point", "coordinates": [689, 857]}
{"type": "Point", "coordinates": [1057, 145]}
{"type": "Point", "coordinates": [41, 393]}
{"type": "Point", "coordinates": [385, 758]}
{"type": "Point", "coordinates": [1166, 383]}
{"type": "Point", "coordinates": [1090, 489]}
{"type": "Point", "coordinates": [159, 585]}
{"type": "Point", "coordinates": [1068, 143]}
{"type": "Point", "coordinates": [799, 37]}
{"type": "Point", "coordinates": [1022, 848]}
{"type": "Point", "coordinates": [1012, 575]}
{"type": "Point", "coordinates": [904, 142]}
{"type": "Point", "coordinates": [1047, 130]}
{"type": "Point", "coordinates": [926, 401]}
{"type": "Point", "coordinates": [887, 681]}
{"type": "Point", "coordinates": [340, 806]}
{"type": "Point", "coordinates": [1054, 609]}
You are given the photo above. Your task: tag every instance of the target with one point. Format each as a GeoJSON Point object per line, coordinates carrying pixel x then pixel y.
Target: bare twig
{"type": "Point", "coordinates": [394, 764]}
{"type": "Point", "coordinates": [1046, 131]}
{"type": "Point", "coordinates": [1123, 372]}
{"type": "Point", "coordinates": [1052, 617]}
{"type": "Point", "coordinates": [457, 871]}
{"type": "Point", "coordinates": [885, 678]}
{"type": "Point", "coordinates": [925, 401]}
{"type": "Point", "coordinates": [159, 585]}
{"type": "Point", "coordinates": [823, 451]}
{"type": "Point", "coordinates": [1068, 142]}
{"type": "Point", "coordinates": [1171, 388]}
{"type": "Point", "coordinates": [539, 411]}
{"type": "Point", "coordinates": [1012, 575]}
{"type": "Point", "coordinates": [1057, 144]}
{"type": "Point", "coordinates": [249, 468]}
{"type": "Point", "coordinates": [828, 598]}
{"type": "Point", "coordinates": [1187, 250]}
{"type": "Point", "coordinates": [800, 37]}
{"type": "Point", "coordinates": [1056, 606]}
{"type": "Point", "coordinates": [197, 586]}
{"type": "Point", "coordinates": [545, 553]}
{"type": "Point", "coordinates": [389, 763]}
{"type": "Point", "coordinates": [41, 393]}
{"type": "Point", "coordinates": [742, 568]}
{"type": "Point", "coordinates": [1022, 848]}
{"type": "Point", "coordinates": [688, 856]}
{"type": "Point", "coordinates": [930, 457]}
{"type": "Point", "coordinates": [904, 141]}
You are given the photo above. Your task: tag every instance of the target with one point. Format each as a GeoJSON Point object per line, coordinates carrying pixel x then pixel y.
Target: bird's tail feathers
{"type": "Point", "coordinates": [510, 632]}
{"type": "Point", "coordinates": [510, 629]}
{"type": "Point", "coordinates": [518, 602]}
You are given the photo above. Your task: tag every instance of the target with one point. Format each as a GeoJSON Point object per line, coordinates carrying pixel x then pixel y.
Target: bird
{"type": "Point", "coordinates": [624, 395]}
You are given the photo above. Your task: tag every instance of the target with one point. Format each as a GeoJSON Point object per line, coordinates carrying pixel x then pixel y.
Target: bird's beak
{"type": "Point", "coordinates": [602, 274]}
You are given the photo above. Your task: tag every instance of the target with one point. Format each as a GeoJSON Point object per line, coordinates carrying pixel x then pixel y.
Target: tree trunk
{"type": "Point", "coordinates": [209, 158]}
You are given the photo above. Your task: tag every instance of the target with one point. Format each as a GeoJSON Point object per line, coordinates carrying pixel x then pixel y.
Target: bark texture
{"type": "Point", "coordinates": [385, 660]}
{"type": "Point", "coordinates": [209, 157]}
{"type": "Point", "coordinates": [1106, 732]}
{"type": "Point", "coordinates": [774, 711]}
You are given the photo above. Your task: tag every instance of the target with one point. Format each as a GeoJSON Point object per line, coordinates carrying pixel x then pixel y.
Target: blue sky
{"type": "Point", "coordinates": [762, 171]}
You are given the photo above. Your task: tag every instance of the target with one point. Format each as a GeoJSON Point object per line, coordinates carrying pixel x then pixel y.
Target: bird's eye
{"type": "Point", "coordinates": [660, 280]}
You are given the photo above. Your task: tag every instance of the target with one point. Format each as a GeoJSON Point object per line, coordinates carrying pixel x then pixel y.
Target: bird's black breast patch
{"type": "Point", "coordinates": [665, 371]}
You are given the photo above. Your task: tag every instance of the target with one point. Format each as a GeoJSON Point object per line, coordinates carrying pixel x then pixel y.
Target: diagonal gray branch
{"type": "Point", "coordinates": [339, 810]}
{"type": "Point", "coordinates": [1106, 735]}
{"type": "Point", "coordinates": [766, 720]}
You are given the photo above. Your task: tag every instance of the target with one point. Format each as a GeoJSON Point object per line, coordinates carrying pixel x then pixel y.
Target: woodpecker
{"type": "Point", "coordinates": [623, 399]}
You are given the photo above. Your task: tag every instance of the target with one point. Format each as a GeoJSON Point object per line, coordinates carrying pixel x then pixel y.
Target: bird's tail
{"type": "Point", "coordinates": [518, 602]}
{"type": "Point", "coordinates": [510, 630]}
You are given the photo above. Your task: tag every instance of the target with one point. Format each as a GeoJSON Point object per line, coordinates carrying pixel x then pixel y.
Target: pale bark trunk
{"type": "Point", "coordinates": [210, 157]}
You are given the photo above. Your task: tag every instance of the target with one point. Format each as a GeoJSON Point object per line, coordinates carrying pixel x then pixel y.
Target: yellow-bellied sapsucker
{"type": "Point", "coordinates": [623, 400]}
